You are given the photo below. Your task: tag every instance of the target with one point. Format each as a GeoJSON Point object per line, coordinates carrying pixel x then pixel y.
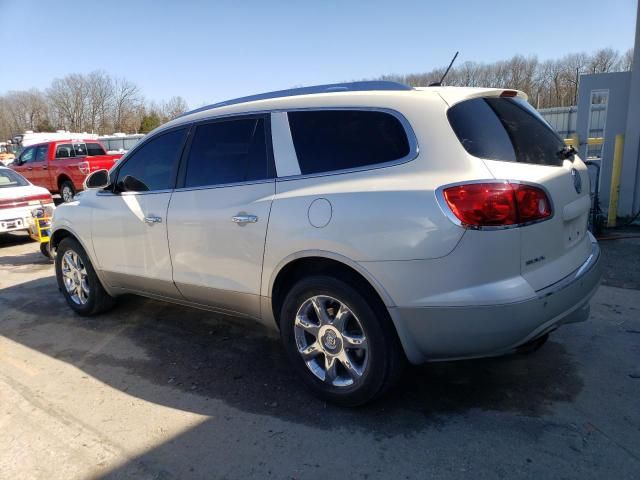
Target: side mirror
{"type": "Point", "coordinates": [132, 184]}
{"type": "Point", "coordinates": [97, 179]}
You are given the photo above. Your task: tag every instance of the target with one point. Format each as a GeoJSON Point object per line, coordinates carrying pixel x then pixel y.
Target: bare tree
{"type": "Point", "coordinates": [127, 101]}
{"type": "Point", "coordinates": [626, 62]}
{"type": "Point", "coordinates": [100, 91]}
{"type": "Point", "coordinates": [174, 107]}
{"type": "Point", "coordinates": [604, 60]}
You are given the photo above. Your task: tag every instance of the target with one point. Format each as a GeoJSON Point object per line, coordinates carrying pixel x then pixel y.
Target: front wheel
{"type": "Point", "coordinates": [340, 340]}
{"type": "Point", "coordinates": [78, 281]}
{"type": "Point", "coordinates": [67, 191]}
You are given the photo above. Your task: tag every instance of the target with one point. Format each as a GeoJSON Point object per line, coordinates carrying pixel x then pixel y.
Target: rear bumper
{"type": "Point", "coordinates": [448, 333]}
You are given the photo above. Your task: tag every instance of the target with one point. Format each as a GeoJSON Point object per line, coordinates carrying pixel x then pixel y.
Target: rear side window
{"type": "Point", "coordinates": [80, 149]}
{"type": "Point", "coordinates": [327, 140]}
{"type": "Point", "coordinates": [152, 164]}
{"type": "Point", "coordinates": [507, 129]}
{"type": "Point", "coordinates": [229, 151]}
{"type": "Point", "coordinates": [65, 151]}
{"type": "Point", "coordinates": [41, 153]}
{"type": "Point", "coordinates": [94, 149]}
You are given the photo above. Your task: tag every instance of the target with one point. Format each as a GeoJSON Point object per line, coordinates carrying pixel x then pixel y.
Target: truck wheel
{"type": "Point", "coordinates": [46, 250]}
{"type": "Point", "coordinates": [78, 280]}
{"type": "Point", "coordinates": [341, 342]}
{"type": "Point", "coordinates": [67, 191]}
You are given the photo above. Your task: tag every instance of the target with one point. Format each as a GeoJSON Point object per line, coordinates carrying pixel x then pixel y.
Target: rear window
{"type": "Point", "coordinates": [9, 178]}
{"type": "Point", "coordinates": [94, 149]}
{"type": "Point", "coordinates": [507, 129]}
{"type": "Point", "coordinates": [328, 140]}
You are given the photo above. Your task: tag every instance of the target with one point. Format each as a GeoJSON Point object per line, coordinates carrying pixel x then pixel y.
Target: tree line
{"type": "Point", "coordinates": [95, 103]}
{"type": "Point", "coordinates": [99, 103]}
{"type": "Point", "coordinates": [549, 83]}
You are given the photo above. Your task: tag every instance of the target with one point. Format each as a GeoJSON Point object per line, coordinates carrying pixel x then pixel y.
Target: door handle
{"type": "Point", "coordinates": [29, 168]}
{"type": "Point", "coordinates": [242, 219]}
{"type": "Point", "coordinates": [45, 167]}
{"type": "Point", "coordinates": [152, 220]}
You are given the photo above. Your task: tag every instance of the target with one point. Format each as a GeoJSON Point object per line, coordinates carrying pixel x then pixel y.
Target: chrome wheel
{"type": "Point", "coordinates": [67, 193]}
{"type": "Point", "coordinates": [331, 341]}
{"type": "Point", "coordinates": [74, 276]}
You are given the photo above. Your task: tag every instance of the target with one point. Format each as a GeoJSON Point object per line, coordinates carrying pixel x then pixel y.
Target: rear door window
{"type": "Point", "coordinates": [507, 129]}
{"type": "Point", "coordinates": [65, 151]}
{"type": "Point", "coordinates": [228, 151]}
{"type": "Point", "coordinates": [80, 149]}
{"type": "Point", "coordinates": [329, 140]}
{"type": "Point", "coordinates": [41, 153]}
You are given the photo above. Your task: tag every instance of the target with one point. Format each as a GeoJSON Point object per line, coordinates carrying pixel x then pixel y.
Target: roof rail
{"type": "Point", "coordinates": [363, 86]}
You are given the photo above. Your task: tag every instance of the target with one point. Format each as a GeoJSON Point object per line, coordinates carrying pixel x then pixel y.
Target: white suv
{"type": "Point", "coordinates": [370, 222]}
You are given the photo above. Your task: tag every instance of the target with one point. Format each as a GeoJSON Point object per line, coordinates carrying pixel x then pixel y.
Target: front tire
{"type": "Point", "coordinates": [67, 191]}
{"type": "Point", "coordinates": [340, 340]}
{"type": "Point", "coordinates": [78, 281]}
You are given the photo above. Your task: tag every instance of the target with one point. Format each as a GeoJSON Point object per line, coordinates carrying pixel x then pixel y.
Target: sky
{"type": "Point", "coordinates": [208, 51]}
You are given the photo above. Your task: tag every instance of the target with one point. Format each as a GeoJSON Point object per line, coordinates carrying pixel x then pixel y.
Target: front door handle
{"type": "Point", "coordinates": [242, 219]}
{"type": "Point", "coordinates": [152, 220]}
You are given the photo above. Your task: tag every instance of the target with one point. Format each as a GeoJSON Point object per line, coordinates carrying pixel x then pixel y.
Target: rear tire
{"type": "Point", "coordinates": [67, 191]}
{"type": "Point", "coordinates": [78, 281]}
{"type": "Point", "coordinates": [533, 345]}
{"type": "Point", "coordinates": [351, 352]}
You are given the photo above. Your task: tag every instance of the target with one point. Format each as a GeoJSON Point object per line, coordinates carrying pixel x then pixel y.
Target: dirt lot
{"type": "Point", "coordinates": [156, 391]}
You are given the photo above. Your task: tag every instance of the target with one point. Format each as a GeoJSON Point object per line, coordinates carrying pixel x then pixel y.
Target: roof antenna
{"type": "Point", "coordinates": [438, 84]}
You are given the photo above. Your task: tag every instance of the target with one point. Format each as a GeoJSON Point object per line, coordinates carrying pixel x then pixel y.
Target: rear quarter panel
{"type": "Point", "coordinates": [380, 214]}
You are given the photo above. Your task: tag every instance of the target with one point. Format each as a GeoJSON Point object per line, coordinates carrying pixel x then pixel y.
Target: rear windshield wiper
{"type": "Point", "coordinates": [567, 152]}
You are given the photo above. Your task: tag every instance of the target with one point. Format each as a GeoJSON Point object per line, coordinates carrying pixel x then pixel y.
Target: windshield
{"type": "Point", "coordinates": [9, 178]}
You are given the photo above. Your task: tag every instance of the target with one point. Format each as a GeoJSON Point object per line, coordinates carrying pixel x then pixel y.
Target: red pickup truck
{"type": "Point", "coordinates": [61, 166]}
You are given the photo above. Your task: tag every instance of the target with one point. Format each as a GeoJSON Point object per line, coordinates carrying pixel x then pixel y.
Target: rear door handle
{"type": "Point", "coordinates": [151, 220]}
{"type": "Point", "coordinates": [242, 219]}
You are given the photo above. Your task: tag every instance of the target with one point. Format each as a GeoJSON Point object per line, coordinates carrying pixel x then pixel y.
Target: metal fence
{"type": "Point", "coordinates": [563, 119]}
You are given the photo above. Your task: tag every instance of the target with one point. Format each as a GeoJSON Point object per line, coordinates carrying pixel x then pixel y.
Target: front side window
{"type": "Point", "coordinates": [152, 164]}
{"type": "Point", "coordinates": [327, 140]}
{"type": "Point", "coordinates": [228, 151]}
{"type": "Point", "coordinates": [94, 149]}
{"type": "Point", "coordinates": [28, 155]}
{"type": "Point", "coordinates": [65, 150]}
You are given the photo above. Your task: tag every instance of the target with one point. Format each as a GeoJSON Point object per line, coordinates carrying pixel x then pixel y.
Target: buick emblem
{"type": "Point", "coordinates": [577, 181]}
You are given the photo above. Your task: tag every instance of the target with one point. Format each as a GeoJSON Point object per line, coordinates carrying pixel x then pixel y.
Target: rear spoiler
{"type": "Point", "coordinates": [453, 95]}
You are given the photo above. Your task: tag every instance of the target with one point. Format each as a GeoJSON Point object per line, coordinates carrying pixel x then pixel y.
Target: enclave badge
{"type": "Point", "coordinates": [577, 181]}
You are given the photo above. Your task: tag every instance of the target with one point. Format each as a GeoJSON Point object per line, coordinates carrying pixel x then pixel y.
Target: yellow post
{"type": "Point", "coordinates": [616, 170]}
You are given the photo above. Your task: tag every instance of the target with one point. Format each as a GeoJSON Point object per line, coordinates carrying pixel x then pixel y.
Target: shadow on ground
{"type": "Point", "coordinates": [243, 365]}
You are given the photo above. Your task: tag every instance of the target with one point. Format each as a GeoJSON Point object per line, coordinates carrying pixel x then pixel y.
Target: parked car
{"type": "Point", "coordinates": [18, 199]}
{"type": "Point", "coordinates": [61, 166]}
{"type": "Point", "coordinates": [371, 223]}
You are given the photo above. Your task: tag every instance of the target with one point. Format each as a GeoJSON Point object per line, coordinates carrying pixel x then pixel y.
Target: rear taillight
{"type": "Point", "coordinates": [497, 204]}
{"type": "Point", "coordinates": [27, 201]}
{"type": "Point", "coordinates": [84, 168]}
